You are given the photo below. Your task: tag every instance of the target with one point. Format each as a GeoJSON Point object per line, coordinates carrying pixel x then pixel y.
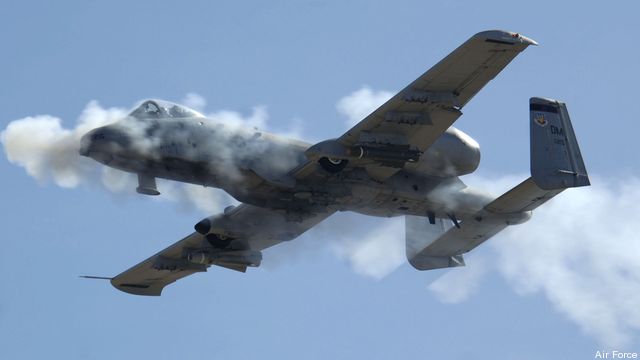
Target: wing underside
{"type": "Point", "coordinates": [431, 103]}
{"type": "Point", "coordinates": [411, 121]}
{"type": "Point", "coordinates": [235, 241]}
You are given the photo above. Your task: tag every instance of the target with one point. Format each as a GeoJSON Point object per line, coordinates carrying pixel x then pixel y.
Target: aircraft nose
{"type": "Point", "coordinates": [106, 139]}
{"type": "Point", "coordinates": [85, 143]}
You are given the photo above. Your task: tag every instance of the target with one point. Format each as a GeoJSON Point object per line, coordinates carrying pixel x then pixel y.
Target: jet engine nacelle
{"type": "Point", "coordinates": [453, 154]}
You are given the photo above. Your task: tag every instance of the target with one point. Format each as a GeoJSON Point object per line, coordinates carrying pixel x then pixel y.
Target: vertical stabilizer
{"type": "Point", "coordinates": [556, 162]}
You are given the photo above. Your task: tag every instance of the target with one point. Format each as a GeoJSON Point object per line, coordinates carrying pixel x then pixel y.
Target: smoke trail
{"type": "Point", "coordinates": [194, 101]}
{"type": "Point", "coordinates": [49, 153]}
{"type": "Point", "coordinates": [459, 284]}
{"type": "Point", "coordinates": [360, 103]}
{"type": "Point", "coordinates": [579, 250]}
{"type": "Point", "coordinates": [374, 247]}
{"type": "Point", "coordinates": [581, 253]}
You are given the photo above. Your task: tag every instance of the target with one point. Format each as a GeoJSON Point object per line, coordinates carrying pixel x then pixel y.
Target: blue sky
{"type": "Point", "coordinates": [313, 299]}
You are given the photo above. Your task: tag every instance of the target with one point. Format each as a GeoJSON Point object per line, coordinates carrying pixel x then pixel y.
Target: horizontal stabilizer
{"type": "Point", "coordinates": [513, 207]}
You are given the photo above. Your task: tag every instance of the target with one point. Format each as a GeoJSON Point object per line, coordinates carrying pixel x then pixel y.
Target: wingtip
{"type": "Point", "coordinates": [137, 289]}
{"type": "Point", "coordinates": [505, 36]}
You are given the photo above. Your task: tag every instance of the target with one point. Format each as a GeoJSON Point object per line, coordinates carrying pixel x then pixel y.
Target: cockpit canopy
{"type": "Point", "coordinates": [158, 109]}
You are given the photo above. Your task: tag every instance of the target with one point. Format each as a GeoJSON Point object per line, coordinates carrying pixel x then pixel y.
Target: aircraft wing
{"type": "Point", "coordinates": [411, 121]}
{"type": "Point", "coordinates": [234, 241]}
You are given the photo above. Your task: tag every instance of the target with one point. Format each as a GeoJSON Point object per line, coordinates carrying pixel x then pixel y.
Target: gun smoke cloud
{"type": "Point", "coordinates": [357, 105]}
{"type": "Point", "coordinates": [49, 153]}
{"type": "Point", "coordinates": [579, 250]}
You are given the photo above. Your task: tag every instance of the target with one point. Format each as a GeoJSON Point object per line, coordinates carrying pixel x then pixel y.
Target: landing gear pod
{"type": "Point", "coordinates": [147, 185]}
{"type": "Point", "coordinates": [241, 257]}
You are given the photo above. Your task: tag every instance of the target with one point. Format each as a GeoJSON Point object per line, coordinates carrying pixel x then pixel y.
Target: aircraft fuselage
{"type": "Point", "coordinates": [254, 166]}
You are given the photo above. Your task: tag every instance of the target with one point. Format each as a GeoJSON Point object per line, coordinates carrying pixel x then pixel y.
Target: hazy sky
{"type": "Point", "coordinates": [562, 286]}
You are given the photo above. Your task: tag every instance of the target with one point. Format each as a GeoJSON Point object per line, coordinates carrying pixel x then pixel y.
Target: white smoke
{"type": "Point", "coordinates": [579, 250]}
{"type": "Point", "coordinates": [257, 119]}
{"type": "Point", "coordinates": [374, 251]}
{"type": "Point", "coordinates": [49, 153]}
{"type": "Point", "coordinates": [194, 101]}
{"type": "Point", "coordinates": [460, 283]}
{"type": "Point", "coordinates": [360, 103]}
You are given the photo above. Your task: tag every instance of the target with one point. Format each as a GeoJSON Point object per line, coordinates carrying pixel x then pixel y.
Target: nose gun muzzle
{"type": "Point", "coordinates": [85, 143]}
{"type": "Point", "coordinates": [104, 142]}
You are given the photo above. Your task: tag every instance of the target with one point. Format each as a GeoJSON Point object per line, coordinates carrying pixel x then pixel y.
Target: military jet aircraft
{"type": "Point", "coordinates": [404, 159]}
